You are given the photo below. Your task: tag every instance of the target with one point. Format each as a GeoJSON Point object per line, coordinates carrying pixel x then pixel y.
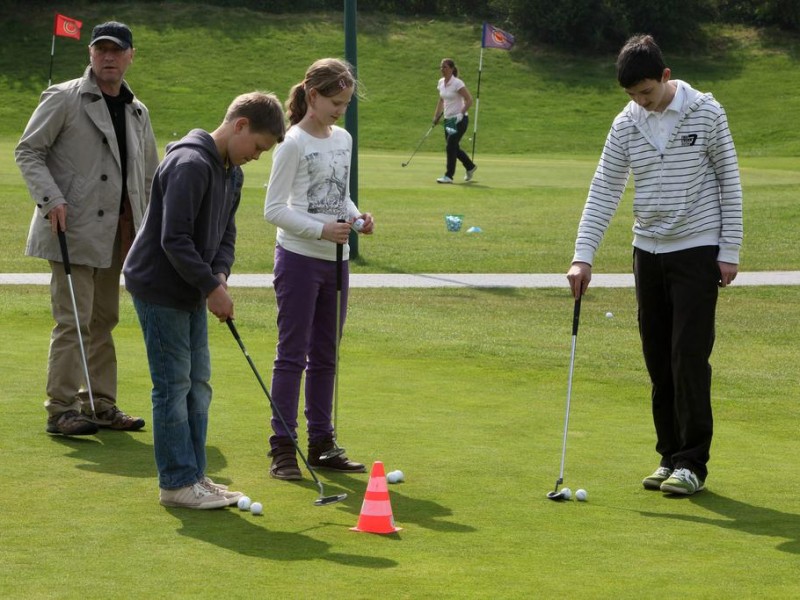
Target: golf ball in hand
{"type": "Point", "coordinates": [567, 493]}
{"type": "Point", "coordinates": [256, 508]}
{"type": "Point", "coordinates": [581, 495]}
{"type": "Point", "coordinates": [243, 503]}
{"type": "Point", "coordinates": [358, 224]}
{"type": "Point", "coordinates": [609, 315]}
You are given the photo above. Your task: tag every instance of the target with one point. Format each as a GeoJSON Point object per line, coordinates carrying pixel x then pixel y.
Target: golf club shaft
{"type": "Point", "coordinates": [575, 320]}
{"type": "Point", "coordinates": [275, 409]}
{"type": "Point", "coordinates": [339, 265]}
{"type": "Point", "coordinates": [419, 145]}
{"type": "Point", "coordinates": [62, 241]}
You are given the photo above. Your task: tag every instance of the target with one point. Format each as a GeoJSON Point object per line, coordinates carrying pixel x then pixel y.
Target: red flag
{"type": "Point", "coordinates": [67, 27]}
{"type": "Point", "coordinates": [496, 38]}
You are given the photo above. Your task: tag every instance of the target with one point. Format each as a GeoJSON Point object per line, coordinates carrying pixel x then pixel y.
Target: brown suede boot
{"type": "Point", "coordinates": [284, 460]}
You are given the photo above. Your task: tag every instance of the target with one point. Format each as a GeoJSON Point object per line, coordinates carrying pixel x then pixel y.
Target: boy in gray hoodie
{"type": "Point", "coordinates": [687, 231]}
{"type": "Point", "coordinates": [179, 265]}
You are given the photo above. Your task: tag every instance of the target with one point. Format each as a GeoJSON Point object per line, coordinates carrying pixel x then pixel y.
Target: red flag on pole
{"type": "Point", "coordinates": [67, 27]}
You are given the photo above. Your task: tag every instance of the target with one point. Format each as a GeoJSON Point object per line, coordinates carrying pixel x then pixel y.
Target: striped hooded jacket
{"type": "Point", "coordinates": [689, 196]}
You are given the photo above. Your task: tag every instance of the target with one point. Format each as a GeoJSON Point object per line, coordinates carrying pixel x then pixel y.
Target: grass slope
{"type": "Point", "coordinates": [192, 59]}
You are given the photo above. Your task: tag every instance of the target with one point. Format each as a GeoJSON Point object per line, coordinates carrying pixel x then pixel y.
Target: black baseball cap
{"type": "Point", "coordinates": [113, 31]}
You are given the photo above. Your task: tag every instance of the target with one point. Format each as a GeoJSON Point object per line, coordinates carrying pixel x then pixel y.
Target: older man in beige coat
{"type": "Point", "coordinates": [88, 155]}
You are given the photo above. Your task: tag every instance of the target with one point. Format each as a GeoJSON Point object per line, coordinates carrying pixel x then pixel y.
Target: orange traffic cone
{"type": "Point", "coordinates": [376, 511]}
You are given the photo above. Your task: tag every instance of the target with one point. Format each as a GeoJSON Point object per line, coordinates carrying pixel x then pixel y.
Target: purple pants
{"type": "Point", "coordinates": [305, 289]}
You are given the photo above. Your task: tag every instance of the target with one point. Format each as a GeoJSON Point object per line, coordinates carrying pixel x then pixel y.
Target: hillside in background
{"type": "Point", "coordinates": [193, 59]}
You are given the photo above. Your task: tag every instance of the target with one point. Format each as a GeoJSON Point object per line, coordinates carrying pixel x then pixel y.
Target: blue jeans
{"type": "Point", "coordinates": [180, 367]}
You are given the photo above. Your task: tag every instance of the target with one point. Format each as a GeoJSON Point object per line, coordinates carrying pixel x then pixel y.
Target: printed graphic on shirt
{"type": "Point", "coordinates": [328, 173]}
{"type": "Point", "coordinates": [688, 140]}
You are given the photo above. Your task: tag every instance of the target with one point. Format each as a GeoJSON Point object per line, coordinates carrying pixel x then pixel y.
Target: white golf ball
{"type": "Point", "coordinates": [581, 495]}
{"type": "Point", "coordinates": [400, 477]}
{"type": "Point", "coordinates": [243, 503]}
{"type": "Point", "coordinates": [609, 315]}
{"type": "Point", "coordinates": [256, 508]}
{"type": "Point", "coordinates": [566, 493]}
{"type": "Point", "coordinates": [394, 477]}
{"type": "Point", "coordinates": [358, 224]}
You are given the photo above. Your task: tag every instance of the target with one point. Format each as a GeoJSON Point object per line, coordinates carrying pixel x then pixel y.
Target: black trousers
{"type": "Point", "coordinates": [677, 295]}
{"type": "Point", "coordinates": [454, 151]}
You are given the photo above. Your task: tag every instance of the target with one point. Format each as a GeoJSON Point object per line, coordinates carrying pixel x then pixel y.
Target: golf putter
{"type": "Point", "coordinates": [555, 494]}
{"type": "Point", "coordinates": [323, 500]}
{"type": "Point", "coordinates": [62, 241]}
{"type": "Point", "coordinates": [422, 141]}
{"type": "Point", "coordinates": [336, 450]}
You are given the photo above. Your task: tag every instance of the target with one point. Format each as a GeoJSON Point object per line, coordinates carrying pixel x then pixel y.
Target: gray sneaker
{"type": "Point", "coordinates": [70, 423]}
{"type": "Point", "coordinates": [470, 173]}
{"type": "Point", "coordinates": [659, 476]}
{"type": "Point", "coordinates": [684, 482]}
{"type": "Point", "coordinates": [230, 495]}
{"type": "Point", "coordinates": [195, 496]}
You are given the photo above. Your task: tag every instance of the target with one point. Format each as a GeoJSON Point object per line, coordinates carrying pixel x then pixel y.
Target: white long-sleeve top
{"type": "Point", "coordinates": [309, 186]}
{"type": "Point", "coordinates": [687, 195]}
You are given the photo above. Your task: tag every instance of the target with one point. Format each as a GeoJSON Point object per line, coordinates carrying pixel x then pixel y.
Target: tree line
{"type": "Point", "coordinates": [572, 24]}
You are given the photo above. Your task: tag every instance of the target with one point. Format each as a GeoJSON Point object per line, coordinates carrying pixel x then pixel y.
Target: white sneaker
{"type": "Point", "coordinates": [659, 476]}
{"type": "Point", "coordinates": [444, 179]}
{"type": "Point", "coordinates": [470, 173]}
{"type": "Point", "coordinates": [207, 479]}
{"type": "Point", "coordinates": [192, 496]}
{"type": "Point", "coordinates": [222, 490]}
{"type": "Point", "coordinates": [684, 482]}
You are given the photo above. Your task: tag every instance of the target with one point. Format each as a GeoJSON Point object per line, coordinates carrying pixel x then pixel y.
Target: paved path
{"type": "Point", "coordinates": [442, 280]}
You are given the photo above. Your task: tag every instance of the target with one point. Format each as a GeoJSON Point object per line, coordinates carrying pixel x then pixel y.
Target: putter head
{"type": "Point", "coordinates": [325, 500]}
{"type": "Point", "coordinates": [332, 453]}
{"type": "Point", "coordinates": [556, 496]}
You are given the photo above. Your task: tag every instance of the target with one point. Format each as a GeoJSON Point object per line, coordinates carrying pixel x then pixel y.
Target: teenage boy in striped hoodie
{"type": "Point", "coordinates": [687, 233]}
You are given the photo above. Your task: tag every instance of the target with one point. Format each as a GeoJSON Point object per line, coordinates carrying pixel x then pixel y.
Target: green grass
{"type": "Point", "coordinates": [527, 206]}
{"type": "Point", "coordinates": [192, 59]}
{"type": "Point", "coordinates": [464, 391]}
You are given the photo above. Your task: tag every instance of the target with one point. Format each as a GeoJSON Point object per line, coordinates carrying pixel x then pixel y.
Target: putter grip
{"type": "Point", "coordinates": [62, 241]}
{"type": "Point", "coordinates": [232, 327]}
{"type": "Point", "coordinates": [576, 315]}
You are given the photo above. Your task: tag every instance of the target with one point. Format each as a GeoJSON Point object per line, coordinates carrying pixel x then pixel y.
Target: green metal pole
{"type": "Point", "coordinates": [351, 116]}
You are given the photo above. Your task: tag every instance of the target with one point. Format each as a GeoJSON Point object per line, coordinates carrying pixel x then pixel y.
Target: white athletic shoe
{"type": "Point", "coordinates": [470, 173]}
{"type": "Point", "coordinates": [444, 179]}
{"type": "Point", "coordinates": [684, 482]}
{"type": "Point", "coordinates": [193, 496]}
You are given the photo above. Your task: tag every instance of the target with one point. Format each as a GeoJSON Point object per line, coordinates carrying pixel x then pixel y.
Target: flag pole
{"type": "Point", "coordinates": [52, 52]}
{"type": "Point", "coordinates": [477, 104]}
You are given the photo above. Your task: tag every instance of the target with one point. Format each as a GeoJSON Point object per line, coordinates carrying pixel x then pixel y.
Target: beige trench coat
{"type": "Point", "coordinates": [69, 154]}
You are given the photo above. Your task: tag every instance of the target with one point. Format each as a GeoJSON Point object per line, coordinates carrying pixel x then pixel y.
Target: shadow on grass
{"type": "Point", "coordinates": [122, 453]}
{"type": "Point", "coordinates": [739, 516]}
{"type": "Point", "coordinates": [114, 452]}
{"type": "Point", "coordinates": [245, 534]}
{"type": "Point", "coordinates": [405, 509]}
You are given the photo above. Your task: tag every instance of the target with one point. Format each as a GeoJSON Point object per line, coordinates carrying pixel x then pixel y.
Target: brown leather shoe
{"type": "Point", "coordinates": [114, 418]}
{"type": "Point", "coordinates": [70, 423]}
{"type": "Point", "coordinates": [284, 460]}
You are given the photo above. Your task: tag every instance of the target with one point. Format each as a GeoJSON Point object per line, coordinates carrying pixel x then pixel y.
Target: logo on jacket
{"type": "Point", "coordinates": [689, 139]}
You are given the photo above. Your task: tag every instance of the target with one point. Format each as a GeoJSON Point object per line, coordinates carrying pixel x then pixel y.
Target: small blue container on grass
{"type": "Point", "coordinates": [453, 222]}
